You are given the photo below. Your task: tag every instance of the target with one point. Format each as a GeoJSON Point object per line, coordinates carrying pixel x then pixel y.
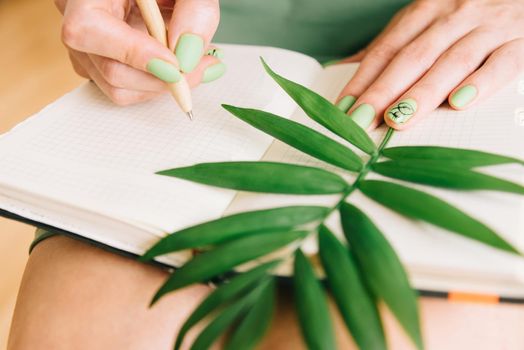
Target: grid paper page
{"type": "Point", "coordinates": [88, 153]}
{"type": "Point", "coordinates": [427, 250]}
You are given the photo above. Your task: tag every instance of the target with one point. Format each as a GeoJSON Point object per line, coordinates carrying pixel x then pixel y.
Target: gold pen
{"type": "Point", "coordinates": [157, 29]}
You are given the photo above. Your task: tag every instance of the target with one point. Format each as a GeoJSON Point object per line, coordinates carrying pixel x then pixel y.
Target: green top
{"type": "Point", "coordinates": [324, 29]}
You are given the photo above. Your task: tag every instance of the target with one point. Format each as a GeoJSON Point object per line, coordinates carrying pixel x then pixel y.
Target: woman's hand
{"type": "Point", "coordinates": [108, 43]}
{"type": "Point", "coordinates": [460, 50]}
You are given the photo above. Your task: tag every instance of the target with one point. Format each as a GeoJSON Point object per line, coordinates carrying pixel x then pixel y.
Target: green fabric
{"type": "Point", "coordinates": [40, 235]}
{"type": "Point", "coordinates": [324, 29]}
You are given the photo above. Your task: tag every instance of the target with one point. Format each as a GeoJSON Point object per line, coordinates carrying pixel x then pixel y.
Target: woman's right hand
{"type": "Point", "coordinates": [109, 44]}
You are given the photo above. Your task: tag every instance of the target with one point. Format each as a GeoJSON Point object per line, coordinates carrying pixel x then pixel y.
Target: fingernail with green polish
{"type": "Point", "coordinates": [363, 115]}
{"type": "Point", "coordinates": [213, 72]}
{"type": "Point", "coordinates": [189, 50]}
{"type": "Point", "coordinates": [163, 70]}
{"type": "Point", "coordinates": [464, 96]}
{"type": "Point", "coordinates": [346, 103]}
{"type": "Point", "coordinates": [402, 111]}
{"type": "Point", "coordinates": [216, 52]}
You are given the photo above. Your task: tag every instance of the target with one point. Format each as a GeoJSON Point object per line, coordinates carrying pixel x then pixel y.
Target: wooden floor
{"type": "Point", "coordinates": [34, 70]}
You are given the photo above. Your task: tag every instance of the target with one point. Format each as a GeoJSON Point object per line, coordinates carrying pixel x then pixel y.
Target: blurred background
{"type": "Point", "coordinates": [35, 70]}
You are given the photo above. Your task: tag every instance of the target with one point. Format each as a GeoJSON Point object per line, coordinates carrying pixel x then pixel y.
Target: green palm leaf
{"type": "Point", "coordinates": [226, 256]}
{"type": "Point", "coordinates": [312, 307]}
{"type": "Point", "coordinates": [324, 112]}
{"type": "Point", "coordinates": [256, 322]}
{"type": "Point", "coordinates": [381, 269]}
{"type": "Point", "coordinates": [353, 299]}
{"type": "Point", "coordinates": [267, 177]}
{"type": "Point", "coordinates": [234, 226]}
{"type": "Point", "coordinates": [300, 137]}
{"type": "Point", "coordinates": [444, 176]}
{"type": "Point", "coordinates": [358, 276]}
{"type": "Point", "coordinates": [423, 206]}
{"type": "Point", "coordinates": [448, 156]}
{"type": "Point", "coordinates": [228, 316]}
{"type": "Point", "coordinates": [224, 294]}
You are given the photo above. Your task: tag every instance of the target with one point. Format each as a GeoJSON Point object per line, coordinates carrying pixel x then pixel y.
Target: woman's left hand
{"type": "Point", "coordinates": [460, 50]}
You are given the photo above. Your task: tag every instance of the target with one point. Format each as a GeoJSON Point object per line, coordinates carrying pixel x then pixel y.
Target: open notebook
{"type": "Point", "coordinates": [86, 166]}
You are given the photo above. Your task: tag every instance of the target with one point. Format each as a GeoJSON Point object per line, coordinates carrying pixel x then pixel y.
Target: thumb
{"type": "Point", "coordinates": [192, 26]}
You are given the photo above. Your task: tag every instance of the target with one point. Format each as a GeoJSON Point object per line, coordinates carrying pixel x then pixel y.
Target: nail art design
{"type": "Point", "coordinates": [403, 111]}
{"type": "Point", "coordinates": [215, 52]}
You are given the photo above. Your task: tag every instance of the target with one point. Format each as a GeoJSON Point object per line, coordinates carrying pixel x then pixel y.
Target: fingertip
{"type": "Point", "coordinates": [214, 72]}
{"type": "Point", "coordinates": [394, 125]}
{"type": "Point", "coordinates": [189, 51]}
{"type": "Point", "coordinates": [364, 115]}
{"type": "Point", "coordinates": [455, 107]}
{"type": "Point", "coordinates": [401, 113]}
{"type": "Point", "coordinates": [344, 103]}
{"type": "Point", "coordinates": [399, 126]}
{"type": "Point", "coordinates": [463, 97]}
{"type": "Point", "coordinates": [452, 106]}
{"type": "Point", "coordinates": [197, 75]}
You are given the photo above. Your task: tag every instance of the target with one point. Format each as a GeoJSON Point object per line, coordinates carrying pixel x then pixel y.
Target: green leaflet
{"type": "Point", "coordinates": [354, 302]}
{"type": "Point", "coordinates": [234, 226]}
{"type": "Point", "coordinates": [381, 269]}
{"type": "Point", "coordinates": [448, 156]}
{"type": "Point", "coordinates": [359, 275]}
{"type": "Point", "coordinates": [267, 177]}
{"type": "Point", "coordinates": [256, 322]}
{"type": "Point", "coordinates": [226, 256]}
{"type": "Point", "coordinates": [423, 206]}
{"type": "Point", "coordinates": [324, 112]}
{"type": "Point", "coordinates": [226, 318]}
{"type": "Point", "coordinates": [300, 137]}
{"type": "Point", "coordinates": [224, 294]}
{"type": "Point", "coordinates": [312, 307]}
{"type": "Point", "coordinates": [444, 176]}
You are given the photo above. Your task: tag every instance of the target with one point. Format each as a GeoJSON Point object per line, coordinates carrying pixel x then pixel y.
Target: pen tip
{"type": "Point", "coordinates": [190, 115]}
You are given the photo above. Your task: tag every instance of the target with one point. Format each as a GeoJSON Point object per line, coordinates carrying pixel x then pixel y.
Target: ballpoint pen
{"type": "Point", "coordinates": [156, 28]}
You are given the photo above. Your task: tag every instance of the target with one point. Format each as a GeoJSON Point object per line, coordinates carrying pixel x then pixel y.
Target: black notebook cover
{"type": "Point", "coordinates": [12, 216]}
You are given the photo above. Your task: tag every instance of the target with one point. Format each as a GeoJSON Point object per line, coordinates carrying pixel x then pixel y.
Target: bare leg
{"type": "Point", "coordinates": [75, 296]}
